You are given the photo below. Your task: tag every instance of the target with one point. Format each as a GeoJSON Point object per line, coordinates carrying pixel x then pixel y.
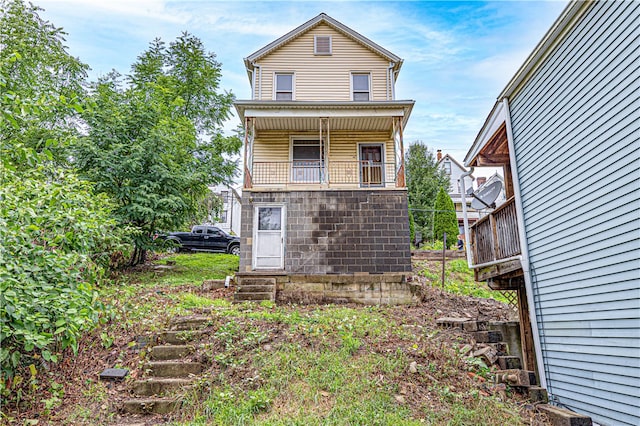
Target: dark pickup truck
{"type": "Point", "coordinates": [205, 238]}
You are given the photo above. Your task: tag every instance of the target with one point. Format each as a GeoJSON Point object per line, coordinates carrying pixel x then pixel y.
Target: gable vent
{"type": "Point", "coordinates": [322, 45]}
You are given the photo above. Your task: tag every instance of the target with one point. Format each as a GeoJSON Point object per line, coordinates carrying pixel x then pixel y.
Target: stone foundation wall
{"type": "Point", "coordinates": [336, 232]}
{"type": "Point", "coordinates": [380, 289]}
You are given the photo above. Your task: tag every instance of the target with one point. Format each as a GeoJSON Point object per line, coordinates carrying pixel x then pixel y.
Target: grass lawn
{"type": "Point", "coordinates": [283, 364]}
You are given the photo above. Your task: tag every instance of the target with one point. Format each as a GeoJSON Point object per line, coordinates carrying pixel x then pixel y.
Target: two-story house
{"type": "Point", "coordinates": [566, 130]}
{"type": "Point", "coordinates": [229, 208]}
{"type": "Point", "coordinates": [455, 170]}
{"type": "Point", "coordinates": [324, 203]}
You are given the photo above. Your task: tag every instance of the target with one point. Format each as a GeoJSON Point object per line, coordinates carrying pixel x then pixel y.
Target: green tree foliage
{"type": "Point", "coordinates": [39, 75]}
{"type": "Point", "coordinates": [445, 218]}
{"type": "Point", "coordinates": [56, 234]}
{"type": "Point", "coordinates": [424, 179]}
{"type": "Point", "coordinates": [155, 143]}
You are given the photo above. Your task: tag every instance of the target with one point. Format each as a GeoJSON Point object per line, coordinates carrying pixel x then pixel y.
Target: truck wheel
{"type": "Point", "coordinates": [234, 250]}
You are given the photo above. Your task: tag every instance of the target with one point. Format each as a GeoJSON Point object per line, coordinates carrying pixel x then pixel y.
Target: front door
{"type": "Point", "coordinates": [371, 171]}
{"type": "Point", "coordinates": [268, 226]}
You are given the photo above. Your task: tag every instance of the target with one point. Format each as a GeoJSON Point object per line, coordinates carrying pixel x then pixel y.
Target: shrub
{"type": "Point", "coordinates": [56, 239]}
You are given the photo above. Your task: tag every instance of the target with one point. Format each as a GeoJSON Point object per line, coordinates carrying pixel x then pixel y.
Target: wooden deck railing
{"type": "Point", "coordinates": [495, 237]}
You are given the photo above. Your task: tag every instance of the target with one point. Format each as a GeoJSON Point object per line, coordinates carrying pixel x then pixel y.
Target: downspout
{"type": "Point", "coordinates": [259, 78]}
{"type": "Point", "coordinates": [524, 249]}
{"type": "Point", "coordinates": [390, 81]}
{"type": "Point", "coordinates": [253, 83]}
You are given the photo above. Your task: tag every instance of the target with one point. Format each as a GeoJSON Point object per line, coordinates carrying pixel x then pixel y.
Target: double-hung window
{"type": "Point", "coordinates": [361, 86]}
{"type": "Point", "coordinates": [284, 86]}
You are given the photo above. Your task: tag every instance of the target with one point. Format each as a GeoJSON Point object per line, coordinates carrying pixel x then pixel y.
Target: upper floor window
{"type": "Point", "coordinates": [447, 167]}
{"type": "Point", "coordinates": [360, 86]}
{"type": "Point", "coordinates": [284, 86]}
{"type": "Point", "coordinates": [322, 45]}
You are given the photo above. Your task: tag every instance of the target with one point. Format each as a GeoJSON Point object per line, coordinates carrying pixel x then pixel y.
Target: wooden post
{"type": "Point", "coordinates": [526, 336]}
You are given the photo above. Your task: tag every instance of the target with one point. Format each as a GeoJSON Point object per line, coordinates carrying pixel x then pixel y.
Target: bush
{"type": "Point", "coordinates": [56, 239]}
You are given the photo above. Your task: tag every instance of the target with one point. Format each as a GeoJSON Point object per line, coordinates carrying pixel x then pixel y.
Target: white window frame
{"type": "Point", "coordinates": [311, 172]}
{"type": "Point", "coordinates": [354, 73]}
{"type": "Point", "coordinates": [315, 45]}
{"type": "Point", "coordinates": [275, 84]}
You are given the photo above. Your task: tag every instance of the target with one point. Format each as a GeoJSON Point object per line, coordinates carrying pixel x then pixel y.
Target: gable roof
{"type": "Point", "coordinates": [460, 166]}
{"type": "Point", "coordinates": [323, 18]}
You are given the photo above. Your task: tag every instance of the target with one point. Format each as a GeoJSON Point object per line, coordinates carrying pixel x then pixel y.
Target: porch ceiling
{"type": "Point", "coordinates": [335, 123]}
{"type": "Point", "coordinates": [299, 116]}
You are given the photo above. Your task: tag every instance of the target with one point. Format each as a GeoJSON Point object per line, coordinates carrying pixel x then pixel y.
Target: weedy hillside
{"type": "Point", "coordinates": [284, 364]}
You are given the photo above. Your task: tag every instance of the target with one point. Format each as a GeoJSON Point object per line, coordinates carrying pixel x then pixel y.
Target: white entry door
{"type": "Point", "coordinates": [268, 234]}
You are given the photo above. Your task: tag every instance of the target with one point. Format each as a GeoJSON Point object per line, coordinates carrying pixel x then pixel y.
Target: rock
{"type": "Point", "coordinates": [413, 367]}
{"type": "Point", "coordinates": [400, 399]}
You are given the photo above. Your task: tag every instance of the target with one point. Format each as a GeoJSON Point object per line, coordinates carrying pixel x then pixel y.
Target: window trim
{"type": "Point", "coordinates": [351, 88]}
{"type": "Point", "coordinates": [315, 45]}
{"type": "Point", "coordinates": [275, 85]}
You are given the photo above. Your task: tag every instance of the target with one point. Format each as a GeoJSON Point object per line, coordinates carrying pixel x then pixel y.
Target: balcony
{"type": "Point", "coordinates": [363, 174]}
{"type": "Point", "coordinates": [494, 238]}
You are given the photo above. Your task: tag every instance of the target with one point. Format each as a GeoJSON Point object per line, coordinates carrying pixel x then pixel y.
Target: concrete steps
{"type": "Point", "coordinates": [170, 368]}
{"type": "Point", "coordinates": [255, 289]}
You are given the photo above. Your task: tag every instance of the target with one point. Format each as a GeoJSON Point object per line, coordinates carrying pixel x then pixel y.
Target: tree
{"type": "Point", "coordinates": [424, 179]}
{"type": "Point", "coordinates": [39, 75]}
{"type": "Point", "coordinates": [445, 218]}
{"type": "Point", "coordinates": [155, 143]}
{"type": "Point", "coordinates": [56, 233]}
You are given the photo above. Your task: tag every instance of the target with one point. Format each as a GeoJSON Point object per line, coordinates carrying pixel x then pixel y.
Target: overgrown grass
{"type": "Point", "coordinates": [287, 364]}
{"type": "Point", "coordinates": [458, 279]}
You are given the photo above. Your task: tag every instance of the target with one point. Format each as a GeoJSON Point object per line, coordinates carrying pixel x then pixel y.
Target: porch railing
{"type": "Point", "coordinates": [361, 173]}
{"type": "Point", "coordinates": [495, 237]}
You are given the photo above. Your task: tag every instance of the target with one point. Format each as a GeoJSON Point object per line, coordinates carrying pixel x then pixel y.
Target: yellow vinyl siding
{"type": "Point", "coordinates": [324, 77]}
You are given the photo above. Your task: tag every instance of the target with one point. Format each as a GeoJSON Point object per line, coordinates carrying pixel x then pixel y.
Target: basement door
{"type": "Point", "coordinates": [268, 236]}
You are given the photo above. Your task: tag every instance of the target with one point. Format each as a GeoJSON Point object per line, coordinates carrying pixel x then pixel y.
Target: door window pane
{"type": "Point", "coordinates": [269, 218]}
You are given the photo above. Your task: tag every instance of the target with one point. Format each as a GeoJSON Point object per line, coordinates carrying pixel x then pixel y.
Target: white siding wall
{"type": "Point", "coordinates": [576, 130]}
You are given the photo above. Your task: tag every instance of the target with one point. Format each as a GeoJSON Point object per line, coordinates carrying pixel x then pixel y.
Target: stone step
{"type": "Point", "coordinates": [253, 297]}
{"type": "Point", "coordinates": [487, 336]}
{"type": "Point", "coordinates": [562, 417]}
{"type": "Point", "coordinates": [522, 378]}
{"type": "Point", "coordinates": [502, 349]}
{"type": "Point", "coordinates": [167, 352]}
{"type": "Point", "coordinates": [256, 281]}
{"type": "Point", "coordinates": [509, 363]}
{"type": "Point", "coordinates": [256, 288]}
{"type": "Point", "coordinates": [174, 368]}
{"type": "Point", "coordinates": [538, 394]}
{"type": "Point", "coordinates": [174, 337]}
{"type": "Point", "coordinates": [155, 386]}
{"type": "Point", "coordinates": [190, 323]}
{"type": "Point", "coordinates": [151, 405]}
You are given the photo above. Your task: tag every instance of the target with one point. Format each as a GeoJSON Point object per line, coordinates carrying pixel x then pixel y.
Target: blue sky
{"type": "Point", "coordinates": [457, 55]}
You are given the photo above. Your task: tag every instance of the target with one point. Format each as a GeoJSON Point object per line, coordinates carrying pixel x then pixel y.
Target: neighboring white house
{"type": "Point", "coordinates": [230, 210]}
{"type": "Point", "coordinates": [567, 131]}
{"type": "Point", "coordinates": [455, 170]}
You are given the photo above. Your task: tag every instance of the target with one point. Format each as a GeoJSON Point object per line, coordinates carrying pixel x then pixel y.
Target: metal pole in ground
{"type": "Point", "coordinates": [444, 253]}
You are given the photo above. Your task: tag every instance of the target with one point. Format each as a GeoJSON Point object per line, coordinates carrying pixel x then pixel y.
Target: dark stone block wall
{"type": "Point", "coordinates": [337, 231]}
